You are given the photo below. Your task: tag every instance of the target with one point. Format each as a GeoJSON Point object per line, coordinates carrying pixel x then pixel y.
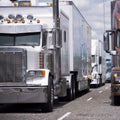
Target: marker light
{"type": "Point", "coordinates": [30, 4]}
{"type": "Point", "coordinates": [115, 75]}
{"type": "Point", "coordinates": [15, 4]}
{"type": "Point", "coordinates": [38, 21]}
{"type": "Point", "coordinates": [23, 21]}
{"type": "Point", "coordinates": [43, 73]}
{"type": "Point", "coordinates": [8, 21]}
{"type": "Point", "coordinates": [15, 21]}
{"type": "Point", "coordinates": [50, 4]}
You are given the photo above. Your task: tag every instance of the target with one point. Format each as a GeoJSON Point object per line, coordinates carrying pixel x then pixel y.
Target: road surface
{"type": "Point", "coordinates": [94, 105]}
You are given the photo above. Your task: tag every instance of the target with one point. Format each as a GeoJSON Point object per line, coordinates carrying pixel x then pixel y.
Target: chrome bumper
{"type": "Point", "coordinates": [23, 94]}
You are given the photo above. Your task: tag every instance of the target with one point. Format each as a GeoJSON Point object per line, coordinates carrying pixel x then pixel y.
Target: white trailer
{"type": "Point", "coordinates": [79, 43]}
{"type": "Point", "coordinates": [44, 52]}
{"type": "Point", "coordinates": [98, 63]}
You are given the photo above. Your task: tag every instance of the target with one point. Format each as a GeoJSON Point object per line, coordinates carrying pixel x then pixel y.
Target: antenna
{"type": "Point", "coordinates": [104, 13]}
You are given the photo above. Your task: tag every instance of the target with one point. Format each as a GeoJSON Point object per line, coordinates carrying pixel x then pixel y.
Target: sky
{"type": "Point", "coordinates": [97, 14]}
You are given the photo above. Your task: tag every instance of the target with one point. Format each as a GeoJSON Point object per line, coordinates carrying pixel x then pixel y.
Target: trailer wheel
{"type": "Point", "coordinates": [48, 107]}
{"type": "Point", "coordinates": [114, 100]}
{"type": "Point", "coordinates": [71, 91]}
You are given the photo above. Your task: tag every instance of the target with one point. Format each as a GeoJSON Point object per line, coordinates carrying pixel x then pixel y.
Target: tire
{"type": "Point", "coordinates": [73, 88]}
{"type": "Point", "coordinates": [100, 82]}
{"type": "Point", "coordinates": [48, 107]}
{"type": "Point", "coordinates": [114, 100]}
{"type": "Point", "coordinates": [76, 86]}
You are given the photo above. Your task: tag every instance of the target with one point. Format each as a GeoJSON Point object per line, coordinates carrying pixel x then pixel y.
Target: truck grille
{"type": "Point", "coordinates": [12, 65]}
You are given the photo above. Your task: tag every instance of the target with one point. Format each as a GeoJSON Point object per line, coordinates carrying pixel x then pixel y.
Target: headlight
{"type": "Point", "coordinates": [36, 74]}
{"type": "Point", "coordinates": [116, 77]}
{"type": "Point", "coordinates": [31, 73]}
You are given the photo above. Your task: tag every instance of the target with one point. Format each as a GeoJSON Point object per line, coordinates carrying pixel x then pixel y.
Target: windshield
{"type": "Point", "coordinates": [27, 39]}
{"type": "Point", "coordinates": [118, 39]}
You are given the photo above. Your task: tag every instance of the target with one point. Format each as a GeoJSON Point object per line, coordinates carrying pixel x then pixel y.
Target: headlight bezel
{"type": "Point", "coordinates": [116, 77]}
{"type": "Point", "coordinates": [36, 73]}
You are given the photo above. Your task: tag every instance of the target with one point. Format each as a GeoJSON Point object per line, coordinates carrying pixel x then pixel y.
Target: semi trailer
{"type": "Point", "coordinates": [98, 63]}
{"type": "Point", "coordinates": [45, 52]}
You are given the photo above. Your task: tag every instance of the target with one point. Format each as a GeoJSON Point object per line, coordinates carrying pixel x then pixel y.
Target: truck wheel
{"type": "Point", "coordinates": [48, 107]}
{"type": "Point", "coordinates": [71, 91]}
{"type": "Point", "coordinates": [76, 86]}
{"type": "Point", "coordinates": [73, 87]}
{"type": "Point", "coordinates": [114, 100]}
{"type": "Point", "coordinates": [100, 80]}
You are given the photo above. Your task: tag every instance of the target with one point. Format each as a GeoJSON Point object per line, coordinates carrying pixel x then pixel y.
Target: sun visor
{"type": "Point", "coordinates": [14, 29]}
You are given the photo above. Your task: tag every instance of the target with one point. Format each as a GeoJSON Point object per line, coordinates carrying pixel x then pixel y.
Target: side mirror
{"type": "Point", "coordinates": [106, 42]}
{"type": "Point", "coordinates": [50, 42]}
{"type": "Point", "coordinates": [47, 40]}
{"type": "Point", "coordinates": [58, 38]}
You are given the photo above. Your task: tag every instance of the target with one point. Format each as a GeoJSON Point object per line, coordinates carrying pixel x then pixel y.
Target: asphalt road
{"type": "Point", "coordinates": [94, 105]}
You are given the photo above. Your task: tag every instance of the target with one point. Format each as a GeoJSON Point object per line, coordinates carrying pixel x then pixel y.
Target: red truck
{"type": "Point", "coordinates": [112, 46]}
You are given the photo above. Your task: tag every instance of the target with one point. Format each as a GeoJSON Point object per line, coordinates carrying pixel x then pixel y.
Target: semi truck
{"type": "Point", "coordinates": [112, 46]}
{"type": "Point", "coordinates": [98, 63]}
{"type": "Point", "coordinates": [44, 52]}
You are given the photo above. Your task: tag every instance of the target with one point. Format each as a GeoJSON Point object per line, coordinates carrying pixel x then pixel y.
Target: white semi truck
{"type": "Point", "coordinates": [44, 52]}
{"type": "Point", "coordinates": [98, 63]}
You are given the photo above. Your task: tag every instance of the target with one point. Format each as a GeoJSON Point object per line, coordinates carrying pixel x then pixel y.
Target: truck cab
{"type": "Point", "coordinates": [39, 52]}
{"type": "Point", "coordinates": [25, 48]}
{"type": "Point", "coordinates": [112, 46]}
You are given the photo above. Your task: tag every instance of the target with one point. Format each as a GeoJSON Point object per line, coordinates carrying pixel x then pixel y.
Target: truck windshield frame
{"type": "Point", "coordinates": [21, 39]}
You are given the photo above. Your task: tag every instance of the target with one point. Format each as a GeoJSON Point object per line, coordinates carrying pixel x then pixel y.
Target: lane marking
{"type": "Point", "coordinates": [100, 91]}
{"type": "Point", "coordinates": [64, 116]}
{"type": "Point", "coordinates": [89, 99]}
{"type": "Point", "coordinates": [106, 88]}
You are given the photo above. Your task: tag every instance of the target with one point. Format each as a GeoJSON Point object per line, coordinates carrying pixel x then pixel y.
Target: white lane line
{"type": "Point", "coordinates": [64, 116]}
{"type": "Point", "coordinates": [106, 88]}
{"type": "Point", "coordinates": [100, 91]}
{"type": "Point", "coordinates": [89, 99]}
